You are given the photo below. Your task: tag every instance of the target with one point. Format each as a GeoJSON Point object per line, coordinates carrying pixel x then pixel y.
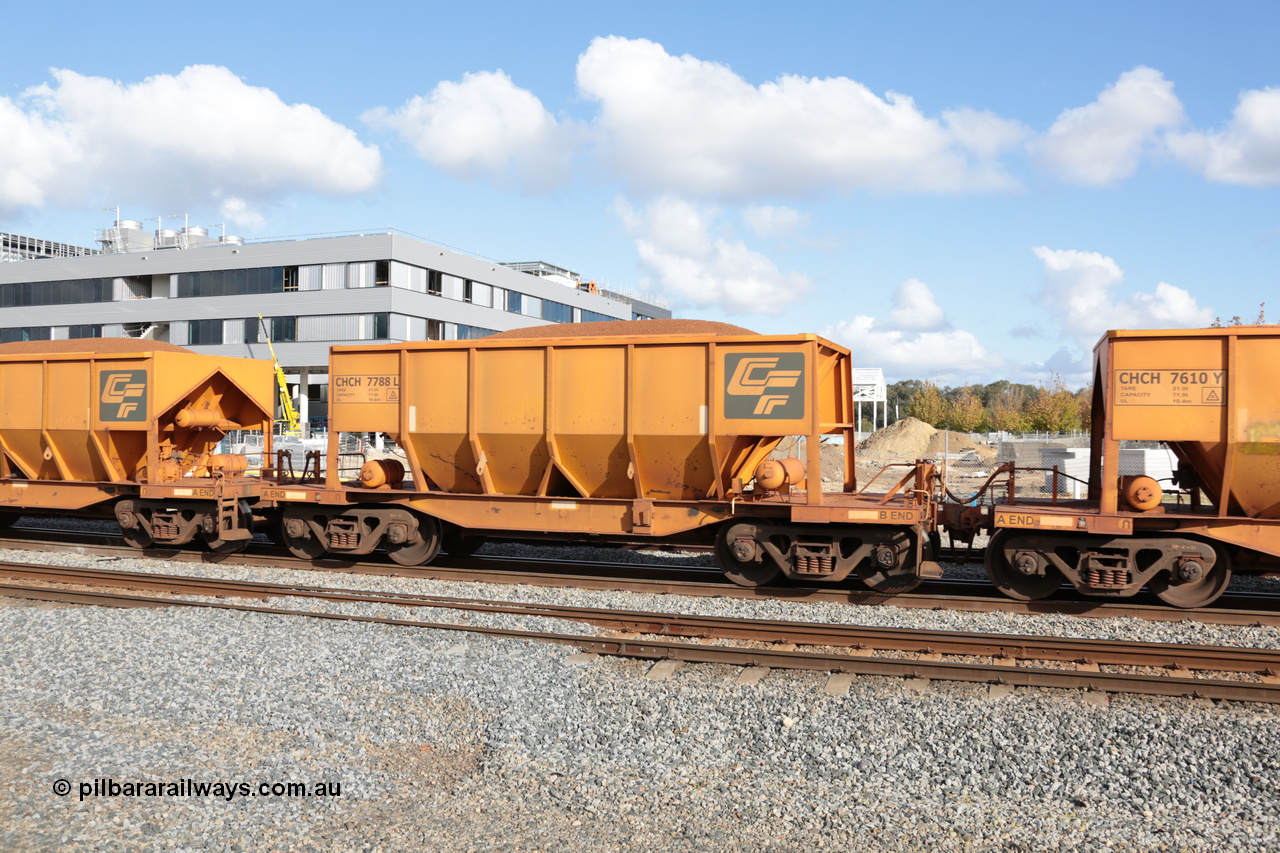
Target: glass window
{"type": "Point", "coordinates": [284, 329]}
{"type": "Point", "coordinates": [557, 312]}
{"type": "Point", "coordinates": [93, 330]}
{"type": "Point", "coordinates": [251, 330]}
{"type": "Point", "coordinates": [513, 301]}
{"type": "Point", "coordinates": [204, 332]}
{"type": "Point", "coordinates": [594, 317]}
{"type": "Point", "coordinates": [433, 283]}
{"type": "Point", "coordinates": [26, 333]}
{"type": "Point", "coordinates": [467, 333]}
{"type": "Point", "coordinates": [382, 274]}
{"type": "Point", "coordinates": [381, 326]}
{"type": "Point", "coordinates": [435, 330]}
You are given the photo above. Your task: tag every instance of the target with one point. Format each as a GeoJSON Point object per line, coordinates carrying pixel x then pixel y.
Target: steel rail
{"type": "Point", "coordinates": [1005, 646]}
{"type": "Point", "coordinates": [773, 658]}
{"type": "Point", "coordinates": [681, 581]}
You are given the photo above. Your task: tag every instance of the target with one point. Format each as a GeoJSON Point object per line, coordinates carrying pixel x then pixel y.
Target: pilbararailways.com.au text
{"type": "Point", "coordinates": [227, 790]}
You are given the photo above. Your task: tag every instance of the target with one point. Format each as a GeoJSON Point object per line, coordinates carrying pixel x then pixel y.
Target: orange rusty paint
{"type": "Point", "coordinates": [651, 418]}
{"type": "Point", "coordinates": [1212, 396]}
{"type": "Point", "coordinates": [104, 422]}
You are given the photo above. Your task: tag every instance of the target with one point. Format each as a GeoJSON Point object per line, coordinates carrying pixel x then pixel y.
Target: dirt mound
{"type": "Point", "coordinates": [612, 328]}
{"type": "Point", "coordinates": [949, 442]}
{"type": "Point", "coordinates": [905, 439]}
{"type": "Point", "coordinates": [89, 345]}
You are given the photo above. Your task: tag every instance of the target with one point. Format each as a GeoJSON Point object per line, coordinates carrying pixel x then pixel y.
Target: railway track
{"type": "Point", "coordinates": [1255, 609]}
{"type": "Point", "coordinates": [857, 644]}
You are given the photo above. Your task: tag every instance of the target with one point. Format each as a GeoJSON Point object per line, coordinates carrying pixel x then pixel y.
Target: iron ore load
{"type": "Point", "coordinates": [615, 434]}
{"type": "Point", "coordinates": [653, 432]}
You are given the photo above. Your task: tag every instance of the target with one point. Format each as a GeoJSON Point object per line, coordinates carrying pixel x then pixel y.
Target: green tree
{"type": "Point", "coordinates": [928, 405]}
{"type": "Point", "coordinates": [1054, 409]}
{"type": "Point", "coordinates": [1008, 409]}
{"type": "Point", "coordinates": [965, 413]}
{"type": "Point", "coordinates": [898, 396]}
{"type": "Point", "coordinates": [1084, 405]}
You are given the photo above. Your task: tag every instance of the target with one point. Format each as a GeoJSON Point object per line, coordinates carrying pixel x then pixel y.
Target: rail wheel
{"type": "Point", "coordinates": [226, 546]}
{"type": "Point", "coordinates": [422, 549]}
{"type": "Point", "coordinates": [1023, 582]}
{"type": "Point", "coordinates": [133, 526]}
{"type": "Point", "coordinates": [741, 558]}
{"type": "Point", "coordinates": [1200, 587]}
{"type": "Point", "coordinates": [298, 536]}
{"type": "Point", "coordinates": [892, 583]}
{"type": "Point", "coordinates": [218, 545]}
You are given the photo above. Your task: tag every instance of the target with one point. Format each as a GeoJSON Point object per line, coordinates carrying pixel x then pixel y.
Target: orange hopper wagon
{"type": "Point", "coordinates": [1210, 396]}
{"type": "Point", "coordinates": [655, 432]}
{"type": "Point", "coordinates": [128, 429]}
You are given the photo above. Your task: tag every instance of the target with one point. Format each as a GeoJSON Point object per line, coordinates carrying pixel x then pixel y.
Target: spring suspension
{"type": "Point", "coordinates": [1107, 577]}
{"type": "Point", "coordinates": [343, 540]}
{"type": "Point", "coordinates": [808, 564]}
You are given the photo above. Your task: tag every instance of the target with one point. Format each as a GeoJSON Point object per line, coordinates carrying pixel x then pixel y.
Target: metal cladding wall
{"type": "Point", "coordinates": [1213, 395]}
{"type": "Point", "coordinates": [80, 416]}
{"type": "Point", "coordinates": [662, 418]}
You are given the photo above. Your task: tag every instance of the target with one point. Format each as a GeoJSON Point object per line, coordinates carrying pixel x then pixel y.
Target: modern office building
{"type": "Point", "coordinates": [202, 292]}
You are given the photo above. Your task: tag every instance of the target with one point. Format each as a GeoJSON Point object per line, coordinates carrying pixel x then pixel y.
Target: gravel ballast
{"type": "Point", "coordinates": [450, 741]}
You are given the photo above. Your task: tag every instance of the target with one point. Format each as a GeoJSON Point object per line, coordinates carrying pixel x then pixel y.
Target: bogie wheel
{"type": "Point", "coordinates": [227, 546]}
{"type": "Point", "coordinates": [458, 545]}
{"type": "Point", "coordinates": [133, 526]}
{"type": "Point", "coordinates": [892, 584]}
{"type": "Point", "coordinates": [219, 545]}
{"type": "Point", "coordinates": [1014, 583]}
{"type": "Point", "coordinates": [421, 550]}
{"type": "Point", "coordinates": [742, 559]}
{"type": "Point", "coordinates": [1199, 593]}
{"type": "Point", "coordinates": [137, 537]}
{"type": "Point", "coordinates": [297, 535]}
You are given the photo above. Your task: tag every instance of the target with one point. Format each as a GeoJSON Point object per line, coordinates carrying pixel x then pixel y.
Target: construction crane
{"type": "Point", "coordinates": [286, 402]}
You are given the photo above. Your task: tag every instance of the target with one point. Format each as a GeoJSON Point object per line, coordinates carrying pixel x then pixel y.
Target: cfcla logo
{"type": "Point", "coordinates": [756, 379]}
{"type": "Point", "coordinates": [123, 395]}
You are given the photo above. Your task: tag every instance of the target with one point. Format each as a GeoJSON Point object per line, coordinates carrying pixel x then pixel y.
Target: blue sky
{"type": "Point", "coordinates": [955, 192]}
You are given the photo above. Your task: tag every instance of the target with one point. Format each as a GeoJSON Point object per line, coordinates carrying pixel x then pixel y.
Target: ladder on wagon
{"type": "Point", "coordinates": [290, 414]}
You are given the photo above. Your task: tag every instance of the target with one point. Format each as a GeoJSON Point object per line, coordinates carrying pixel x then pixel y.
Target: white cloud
{"type": "Point", "coordinates": [1247, 151]}
{"type": "Point", "coordinates": [684, 259]}
{"type": "Point", "coordinates": [1080, 285]}
{"type": "Point", "coordinates": [685, 125]}
{"type": "Point", "coordinates": [1102, 142]}
{"type": "Point", "coordinates": [484, 125]}
{"type": "Point", "coordinates": [769, 221]}
{"type": "Point", "coordinates": [915, 309]}
{"type": "Point", "coordinates": [917, 341]}
{"type": "Point", "coordinates": [983, 132]}
{"type": "Point", "coordinates": [238, 212]}
{"type": "Point", "coordinates": [171, 139]}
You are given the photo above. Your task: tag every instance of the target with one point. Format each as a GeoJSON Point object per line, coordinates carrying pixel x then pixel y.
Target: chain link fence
{"type": "Point", "coordinates": [967, 461]}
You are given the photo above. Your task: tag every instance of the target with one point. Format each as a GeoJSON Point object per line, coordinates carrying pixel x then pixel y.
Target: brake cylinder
{"type": "Point", "coordinates": [1141, 492]}
{"type": "Point", "coordinates": [773, 474]}
{"type": "Point", "coordinates": [381, 474]}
